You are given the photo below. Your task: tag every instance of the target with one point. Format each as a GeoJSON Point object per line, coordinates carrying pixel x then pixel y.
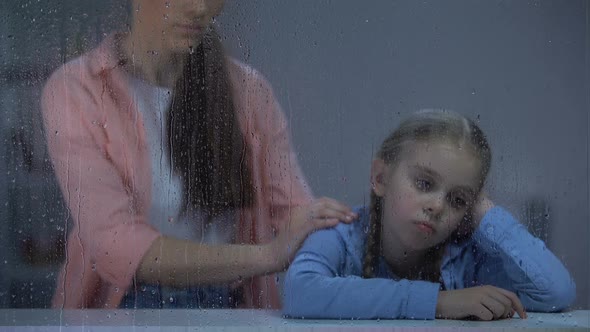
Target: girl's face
{"type": "Point", "coordinates": [427, 194]}
{"type": "Point", "coordinates": [173, 25]}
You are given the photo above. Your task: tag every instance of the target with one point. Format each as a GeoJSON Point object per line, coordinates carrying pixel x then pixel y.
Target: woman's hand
{"type": "Point", "coordinates": [321, 213]}
{"type": "Point", "coordinates": [483, 303]}
{"type": "Point", "coordinates": [481, 207]}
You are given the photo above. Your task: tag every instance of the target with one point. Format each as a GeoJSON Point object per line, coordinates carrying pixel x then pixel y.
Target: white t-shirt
{"type": "Point", "coordinates": [165, 212]}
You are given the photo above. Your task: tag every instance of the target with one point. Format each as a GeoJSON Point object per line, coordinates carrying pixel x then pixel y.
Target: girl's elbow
{"type": "Point", "coordinates": [560, 297]}
{"type": "Point", "coordinates": [293, 305]}
{"type": "Point", "coordinates": [293, 309]}
{"type": "Point", "coordinates": [300, 296]}
{"type": "Point", "coordinates": [564, 296]}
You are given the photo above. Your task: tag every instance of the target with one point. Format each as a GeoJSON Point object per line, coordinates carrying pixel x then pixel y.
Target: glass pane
{"type": "Point", "coordinates": [143, 170]}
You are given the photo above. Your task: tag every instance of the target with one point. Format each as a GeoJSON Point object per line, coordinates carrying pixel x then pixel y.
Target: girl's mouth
{"type": "Point", "coordinates": [424, 227]}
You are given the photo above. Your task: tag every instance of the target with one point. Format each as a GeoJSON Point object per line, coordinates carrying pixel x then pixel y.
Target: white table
{"type": "Point", "coordinates": [257, 320]}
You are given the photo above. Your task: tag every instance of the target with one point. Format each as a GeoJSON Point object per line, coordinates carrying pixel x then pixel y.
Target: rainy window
{"type": "Point", "coordinates": [176, 154]}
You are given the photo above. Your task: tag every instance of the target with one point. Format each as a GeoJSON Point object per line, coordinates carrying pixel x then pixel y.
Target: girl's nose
{"type": "Point", "coordinates": [435, 204]}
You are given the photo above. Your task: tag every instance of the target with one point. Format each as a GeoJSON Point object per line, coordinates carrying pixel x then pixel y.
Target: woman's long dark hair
{"type": "Point", "coordinates": [206, 145]}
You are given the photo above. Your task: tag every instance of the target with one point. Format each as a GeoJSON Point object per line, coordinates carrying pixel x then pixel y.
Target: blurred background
{"type": "Point", "coordinates": [345, 73]}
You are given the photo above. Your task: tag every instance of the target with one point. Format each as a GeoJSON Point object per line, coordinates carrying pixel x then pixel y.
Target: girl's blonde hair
{"type": "Point", "coordinates": [426, 126]}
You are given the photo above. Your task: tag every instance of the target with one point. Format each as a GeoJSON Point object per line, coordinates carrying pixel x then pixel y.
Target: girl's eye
{"type": "Point", "coordinates": [458, 202]}
{"type": "Point", "coordinates": [423, 184]}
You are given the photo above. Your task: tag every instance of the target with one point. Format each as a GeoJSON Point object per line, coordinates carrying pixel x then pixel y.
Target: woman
{"type": "Point", "coordinates": [176, 165]}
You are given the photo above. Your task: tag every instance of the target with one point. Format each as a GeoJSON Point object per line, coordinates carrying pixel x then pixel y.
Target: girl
{"type": "Point", "coordinates": [431, 244]}
{"type": "Point", "coordinates": [176, 165]}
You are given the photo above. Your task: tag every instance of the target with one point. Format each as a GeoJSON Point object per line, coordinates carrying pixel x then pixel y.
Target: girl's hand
{"type": "Point", "coordinates": [483, 303]}
{"type": "Point", "coordinates": [321, 213]}
{"type": "Point", "coordinates": [481, 207]}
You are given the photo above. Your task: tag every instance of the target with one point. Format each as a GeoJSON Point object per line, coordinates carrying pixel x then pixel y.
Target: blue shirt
{"type": "Point", "coordinates": [324, 281]}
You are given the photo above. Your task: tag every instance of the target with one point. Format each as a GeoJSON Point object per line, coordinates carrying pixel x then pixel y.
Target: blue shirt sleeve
{"type": "Point", "coordinates": [509, 257]}
{"type": "Point", "coordinates": [317, 285]}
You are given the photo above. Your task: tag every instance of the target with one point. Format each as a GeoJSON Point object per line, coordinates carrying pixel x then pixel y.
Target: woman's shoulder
{"type": "Point", "coordinates": [254, 99]}
{"type": "Point", "coordinates": [241, 70]}
{"type": "Point", "coordinates": [247, 81]}
{"type": "Point", "coordinates": [69, 75]}
{"type": "Point", "coordinates": [86, 69]}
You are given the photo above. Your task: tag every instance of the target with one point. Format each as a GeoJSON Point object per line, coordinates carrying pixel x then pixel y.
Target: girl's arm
{"type": "Point", "coordinates": [321, 283]}
{"type": "Point", "coordinates": [508, 256]}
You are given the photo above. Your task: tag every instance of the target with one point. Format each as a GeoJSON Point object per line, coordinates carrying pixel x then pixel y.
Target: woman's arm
{"type": "Point", "coordinates": [180, 263]}
{"type": "Point", "coordinates": [318, 285]}
{"type": "Point", "coordinates": [508, 256]}
{"type": "Point", "coordinates": [111, 231]}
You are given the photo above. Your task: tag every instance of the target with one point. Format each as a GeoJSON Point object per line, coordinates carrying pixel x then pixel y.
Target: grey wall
{"type": "Point", "coordinates": [345, 73]}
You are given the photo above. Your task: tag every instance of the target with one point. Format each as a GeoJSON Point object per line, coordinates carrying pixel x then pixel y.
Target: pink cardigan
{"type": "Point", "coordinates": [98, 148]}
